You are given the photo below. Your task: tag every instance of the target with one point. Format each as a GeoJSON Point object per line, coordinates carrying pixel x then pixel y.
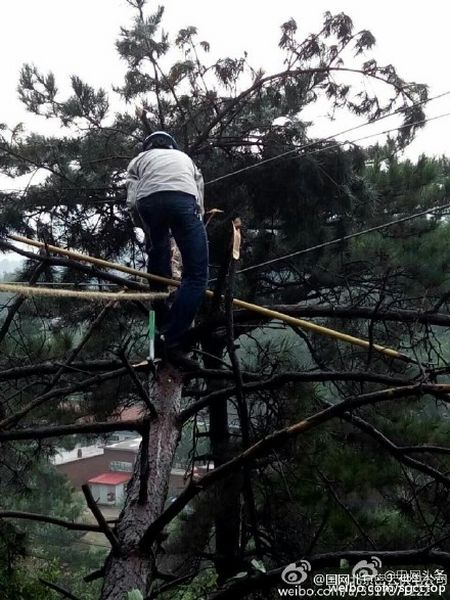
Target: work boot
{"type": "Point", "coordinates": [176, 355]}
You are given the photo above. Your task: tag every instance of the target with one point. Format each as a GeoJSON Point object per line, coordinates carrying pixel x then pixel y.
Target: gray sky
{"type": "Point", "coordinates": [78, 38]}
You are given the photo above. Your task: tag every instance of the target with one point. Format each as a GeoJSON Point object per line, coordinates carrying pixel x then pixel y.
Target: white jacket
{"type": "Point", "coordinates": [162, 170]}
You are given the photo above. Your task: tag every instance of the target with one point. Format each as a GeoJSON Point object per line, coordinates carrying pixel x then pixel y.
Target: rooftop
{"type": "Point", "coordinates": [79, 452]}
{"type": "Point", "coordinates": [131, 445]}
{"type": "Point", "coordinates": [111, 478]}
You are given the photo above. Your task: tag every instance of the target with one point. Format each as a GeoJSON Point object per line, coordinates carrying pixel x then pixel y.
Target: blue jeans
{"type": "Point", "coordinates": [177, 212]}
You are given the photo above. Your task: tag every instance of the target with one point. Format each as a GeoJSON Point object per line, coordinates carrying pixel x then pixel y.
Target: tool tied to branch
{"type": "Point", "coordinates": [261, 310]}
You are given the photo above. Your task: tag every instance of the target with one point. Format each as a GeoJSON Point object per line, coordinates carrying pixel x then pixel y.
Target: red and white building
{"type": "Point", "coordinates": [107, 468]}
{"type": "Point", "coordinates": [109, 488]}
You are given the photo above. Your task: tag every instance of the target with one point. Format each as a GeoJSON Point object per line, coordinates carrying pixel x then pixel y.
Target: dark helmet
{"type": "Point", "coordinates": [159, 139]}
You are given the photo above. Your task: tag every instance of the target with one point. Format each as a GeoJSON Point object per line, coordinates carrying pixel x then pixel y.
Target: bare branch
{"type": "Point", "coordinates": [17, 514]}
{"type": "Point", "coordinates": [137, 384]}
{"type": "Point", "coordinates": [396, 451]}
{"type": "Point", "coordinates": [48, 368]}
{"type": "Point", "coordinates": [103, 525]}
{"type": "Point", "coordinates": [58, 588]}
{"type": "Point", "coordinates": [348, 312]}
{"type": "Point", "coordinates": [347, 511]}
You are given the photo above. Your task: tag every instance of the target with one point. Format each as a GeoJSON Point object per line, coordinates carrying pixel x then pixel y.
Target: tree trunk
{"type": "Point", "coordinates": [228, 492]}
{"type": "Point", "coordinates": [131, 568]}
{"type": "Point", "coordinates": [227, 505]}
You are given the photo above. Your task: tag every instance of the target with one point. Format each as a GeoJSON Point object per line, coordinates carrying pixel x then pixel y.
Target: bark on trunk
{"type": "Point", "coordinates": [227, 505]}
{"type": "Point", "coordinates": [132, 568]}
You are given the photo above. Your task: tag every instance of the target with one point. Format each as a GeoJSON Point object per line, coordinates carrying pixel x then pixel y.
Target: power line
{"type": "Point", "coordinates": [309, 144]}
{"type": "Point", "coordinates": [337, 145]}
{"type": "Point", "coordinates": [366, 137]}
{"type": "Point", "coordinates": [345, 238]}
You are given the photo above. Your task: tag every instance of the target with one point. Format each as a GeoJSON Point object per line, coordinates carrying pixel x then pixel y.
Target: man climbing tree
{"type": "Point", "coordinates": [165, 192]}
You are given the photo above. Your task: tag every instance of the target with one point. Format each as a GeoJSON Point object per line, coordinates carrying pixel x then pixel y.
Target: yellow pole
{"type": "Point", "coordinates": [337, 335]}
{"type": "Point", "coordinates": [267, 312]}
{"type": "Point", "coordinates": [99, 262]}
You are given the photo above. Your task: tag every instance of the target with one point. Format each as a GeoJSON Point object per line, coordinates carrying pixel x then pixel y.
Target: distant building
{"type": "Point", "coordinates": [109, 488]}
{"type": "Point", "coordinates": [101, 466]}
{"type": "Point", "coordinates": [107, 467]}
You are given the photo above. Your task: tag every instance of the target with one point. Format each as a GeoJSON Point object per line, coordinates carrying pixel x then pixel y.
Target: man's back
{"type": "Point", "coordinates": [160, 170]}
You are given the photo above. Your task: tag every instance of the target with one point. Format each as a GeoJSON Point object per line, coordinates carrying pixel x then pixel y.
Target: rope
{"type": "Point", "coordinates": [42, 291]}
{"type": "Point", "coordinates": [271, 314]}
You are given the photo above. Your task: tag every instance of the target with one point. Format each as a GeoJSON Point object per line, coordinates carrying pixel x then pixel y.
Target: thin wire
{"type": "Point", "coordinates": [337, 145]}
{"type": "Point", "coordinates": [309, 144]}
{"type": "Point", "coordinates": [345, 238]}
{"type": "Point", "coordinates": [366, 137]}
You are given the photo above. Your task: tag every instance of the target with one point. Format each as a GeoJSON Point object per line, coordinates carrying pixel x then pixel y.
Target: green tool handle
{"type": "Point", "coordinates": [151, 334]}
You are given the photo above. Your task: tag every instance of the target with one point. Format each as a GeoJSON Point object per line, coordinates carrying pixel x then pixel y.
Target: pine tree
{"type": "Point", "coordinates": [279, 501]}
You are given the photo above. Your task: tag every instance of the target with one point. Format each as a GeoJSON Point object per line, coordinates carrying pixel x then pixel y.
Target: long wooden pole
{"type": "Point", "coordinates": [267, 312]}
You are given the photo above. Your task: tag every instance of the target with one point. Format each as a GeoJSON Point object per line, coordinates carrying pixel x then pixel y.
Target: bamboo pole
{"type": "Point", "coordinates": [267, 312]}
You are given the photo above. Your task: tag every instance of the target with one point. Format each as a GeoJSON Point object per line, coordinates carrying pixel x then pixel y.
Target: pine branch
{"type": "Point", "coordinates": [424, 448]}
{"type": "Point", "coordinates": [98, 574]}
{"type": "Point", "coordinates": [137, 384]}
{"type": "Point", "coordinates": [262, 81]}
{"type": "Point", "coordinates": [79, 347]}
